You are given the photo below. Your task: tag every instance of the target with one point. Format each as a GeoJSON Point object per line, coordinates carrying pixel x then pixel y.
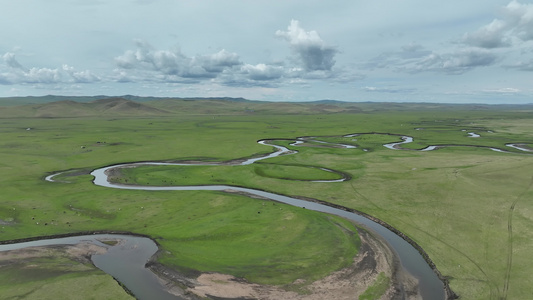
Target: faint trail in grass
{"type": "Point", "coordinates": [358, 194]}
{"type": "Point", "coordinates": [510, 241]}
{"type": "Point", "coordinates": [457, 176]}
{"type": "Point", "coordinates": [487, 281]}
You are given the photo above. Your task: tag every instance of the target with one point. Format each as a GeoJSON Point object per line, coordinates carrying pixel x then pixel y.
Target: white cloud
{"type": "Point", "coordinates": [408, 53]}
{"type": "Point", "coordinates": [15, 73]}
{"type": "Point", "coordinates": [311, 50]}
{"type": "Point", "coordinates": [262, 71]}
{"type": "Point", "coordinates": [175, 64]}
{"type": "Point", "coordinates": [9, 59]}
{"type": "Point", "coordinates": [520, 17]}
{"type": "Point", "coordinates": [80, 76]}
{"type": "Point", "coordinates": [41, 75]}
{"type": "Point", "coordinates": [489, 36]}
{"type": "Point", "coordinates": [417, 59]}
{"type": "Point", "coordinates": [390, 90]}
{"type": "Point", "coordinates": [145, 63]}
{"type": "Point", "coordinates": [517, 24]}
{"type": "Point", "coordinates": [217, 62]}
{"type": "Point", "coordinates": [506, 90]}
{"type": "Point", "coordinates": [145, 57]}
{"type": "Point", "coordinates": [476, 48]}
{"type": "Point", "coordinates": [167, 62]}
{"type": "Point", "coordinates": [456, 62]}
{"type": "Point", "coordinates": [522, 65]}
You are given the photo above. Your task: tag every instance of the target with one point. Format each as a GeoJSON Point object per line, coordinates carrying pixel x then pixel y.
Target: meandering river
{"type": "Point", "coordinates": [126, 261]}
{"type": "Point", "coordinates": [431, 287]}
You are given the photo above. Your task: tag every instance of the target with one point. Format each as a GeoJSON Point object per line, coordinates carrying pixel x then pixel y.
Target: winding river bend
{"type": "Point", "coordinates": [431, 287]}
{"type": "Point", "coordinates": [126, 261]}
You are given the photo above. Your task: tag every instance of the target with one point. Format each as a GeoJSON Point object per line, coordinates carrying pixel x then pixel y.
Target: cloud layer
{"type": "Point", "coordinates": [347, 51]}
{"type": "Point", "coordinates": [478, 48]}
{"type": "Point", "coordinates": [310, 50]}
{"type": "Point", "coordinates": [173, 63]}
{"type": "Point", "coordinates": [313, 60]}
{"type": "Point", "coordinates": [417, 59]}
{"type": "Point", "coordinates": [515, 27]}
{"type": "Point", "coordinates": [15, 73]}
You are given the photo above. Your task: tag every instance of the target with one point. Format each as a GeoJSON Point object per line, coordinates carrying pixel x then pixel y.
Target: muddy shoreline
{"type": "Point", "coordinates": [74, 234]}
{"type": "Point", "coordinates": [373, 258]}
{"type": "Point", "coordinates": [449, 293]}
{"type": "Point", "coordinates": [177, 278]}
{"type": "Point", "coordinates": [173, 279]}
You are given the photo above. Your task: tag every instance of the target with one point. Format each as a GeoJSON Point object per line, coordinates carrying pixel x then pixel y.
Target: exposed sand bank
{"type": "Point", "coordinates": [374, 257]}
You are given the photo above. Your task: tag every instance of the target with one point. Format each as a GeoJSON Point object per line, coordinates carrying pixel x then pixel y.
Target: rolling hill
{"type": "Point", "coordinates": [132, 106]}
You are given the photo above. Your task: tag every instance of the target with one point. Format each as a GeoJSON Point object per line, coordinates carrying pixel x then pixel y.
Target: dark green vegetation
{"type": "Point", "coordinates": [262, 242]}
{"type": "Point", "coordinates": [202, 175]}
{"type": "Point", "coordinates": [469, 208]}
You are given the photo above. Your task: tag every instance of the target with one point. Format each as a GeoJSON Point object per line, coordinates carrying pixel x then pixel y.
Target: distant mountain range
{"type": "Point", "coordinates": [5, 101]}
{"type": "Point", "coordinates": [131, 106]}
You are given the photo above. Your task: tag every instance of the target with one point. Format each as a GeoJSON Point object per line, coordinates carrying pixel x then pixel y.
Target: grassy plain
{"type": "Point", "coordinates": [56, 277]}
{"type": "Point", "coordinates": [201, 175]}
{"type": "Point", "coordinates": [469, 208]}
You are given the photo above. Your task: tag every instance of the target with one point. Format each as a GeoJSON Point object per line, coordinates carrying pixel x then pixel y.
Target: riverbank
{"type": "Point", "coordinates": [58, 272]}
{"type": "Point", "coordinates": [374, 258]}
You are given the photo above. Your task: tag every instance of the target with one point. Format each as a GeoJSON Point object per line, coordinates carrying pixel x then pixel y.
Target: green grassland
{"type": "Point", "coordinates": [56, 277]}
{"type": "Point", "coordinates": [469, 208]}
{"type": "Point", "coordinates": [202, 175]}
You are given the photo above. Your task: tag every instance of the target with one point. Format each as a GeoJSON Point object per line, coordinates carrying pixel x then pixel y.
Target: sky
{"type": "Point", "coordinates": [455, 51]}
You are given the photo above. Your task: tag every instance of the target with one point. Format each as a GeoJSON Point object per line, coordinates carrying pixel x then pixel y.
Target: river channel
{"type": "Point", "coordinates": [126, 261]}
{"type": "Point", "coordinates": [431, 287]}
